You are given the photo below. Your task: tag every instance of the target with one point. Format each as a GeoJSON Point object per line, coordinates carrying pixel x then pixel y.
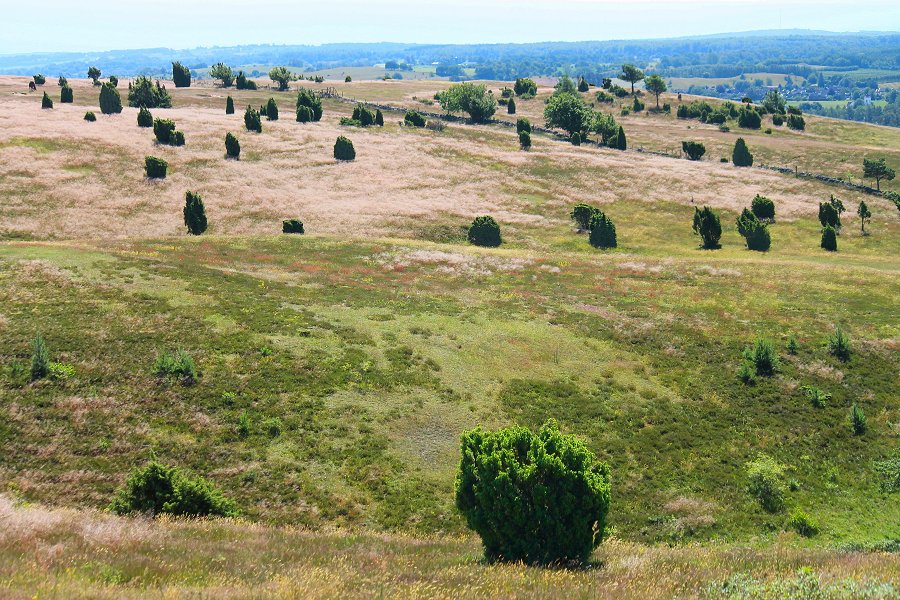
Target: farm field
{"type": "Point", "coordinates": [338, 369]}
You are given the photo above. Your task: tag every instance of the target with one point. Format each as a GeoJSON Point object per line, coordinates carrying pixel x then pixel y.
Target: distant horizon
{"type": "Point", "coordinates": [103, 25]}
{"type": "Point", "coordinates": [721, 34]}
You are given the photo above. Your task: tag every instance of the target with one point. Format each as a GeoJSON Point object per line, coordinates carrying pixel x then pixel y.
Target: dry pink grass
{"type": "Point", "coordinates": [62, 177]}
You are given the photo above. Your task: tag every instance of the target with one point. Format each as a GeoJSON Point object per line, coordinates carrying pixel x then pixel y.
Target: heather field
{"type": "Point", "coordinates": [338, 369]}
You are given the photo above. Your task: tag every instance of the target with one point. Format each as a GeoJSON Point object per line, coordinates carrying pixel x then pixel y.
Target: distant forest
{"type": "Point", "coordinates": [801, 54]}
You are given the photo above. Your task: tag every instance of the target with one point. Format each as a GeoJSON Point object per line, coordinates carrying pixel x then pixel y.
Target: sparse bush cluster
{"type": "Point", "coordinates": [252, 120]}
{"type": "Point", "coordinates": [754, 231]}
{"type": "Point", "coordinates": [165, 132]}
{"type": "Point", "coordinates": [144, 92]}
{"type": "Point", "coordinates": [309, 106]}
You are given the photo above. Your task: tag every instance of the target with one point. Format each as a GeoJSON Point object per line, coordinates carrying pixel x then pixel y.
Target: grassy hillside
{"type": "Point", "coordinates": [358, 353]}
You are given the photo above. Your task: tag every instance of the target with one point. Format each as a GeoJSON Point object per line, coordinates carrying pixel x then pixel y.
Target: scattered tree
{"type": "Point", "coordinates": [39, 79]}
{"type": "Point", "coordinates": [292, 226]}
{"type": "Point", "coordinates": [484, 231]}
{"type": "Point", "coordinates": [763, 208]}
{"type": "Point", "coordinates": [525, 87]}
{"type": "Point", "coordinates": [741, 156]}
{"type": "Point", "coordinates": [114, 80]}
{"type": "Point", "coordinates": [282, 76]}
{"type": "Point", "coordinates": [864, 215]}
{"type": "Point", "coordinates": [708, 227]}
{"type": "Point", "coordinates": [242, 83]}
{"type": "Point", "coordinates": [379, 118]}
{"type": "Point", "coordinates": [46, 102]}
{"type": "Point", "coordinates": [94, 74]}
{"type": "Point", "coordinates": [877, 169]}
{"type": "Point", "coordinates": [144, 117]}
{"type": "Point", "coordinates": [857, 420]}
{"type": "Point", "coordinates": [583, 85]}
{"type": "Point", "coordinates": [829, 216]}
{"type": "Point", "coordinates": [694, 150]}
{"type": "Point", "coordinates": [748, 118]}
{"type": "Point", "coordinates": [511, 106]}
{"type": "Point", "coordinates": [223, 73]}
{"type": "Point", "coordinates": [763, 357]}
{"type": "Point", "coordinates": [272, 110]}
{"type": "Point", "coordinates": [575, 139]}
{"type": "Point", "coordinates": [155, 168]}
{"type": "Point", "coordinates": [565, 85]}
{"type": "Point", "coordinates": [163, 130]}
{"type": "Point", "coordinates": [252, 120]}
{"type": "Point", "coordinates": [534, 498]}
{"type": "Point", "coordinates": [524, 140]}
{"type": "Point", "coordinates": [66, 96]}
{"type": "Point", "coordinates": [602, 231]}
{"type": "Point", "coordinates": [307, 98]}
{"type": "Point", "coordinates": [181, 75]}
{"type": "Point", "coordinates": [144, 92]}
{"type": "Point", "coordinates": [796, 122]}
{"type": "Point", "coordinates": [62, 81]}
{"type": "Point", "coordinates": [774, 102]}
{"type": "Point", "coordinates": [229, 106]}
{"type": "Point", "coordinates": [656, 86]}
{"type": "Point", "coordinates": [110, 101]}
{"type": "Point", "coordinates": [754, 231]}
{"type": "Point", "coordinates": [348, 79]}
{"type": "Point", "coordinates": [343, 149]}
{"type": "Point", "coordinates": [621, 142]}
{"type": "Point", "coordinates": [829, 238]}
{"type": "Point", "coordinates": [839, 344]}
{"type": "Point", "coordinates": [568, 112]}
{"type": "Point", "coordinates": [232, 146]}
{"type": "Point", "coordinates": [471, 98]}
{"type": "Point", "coordinates": [90, 116]}
{"type": "Point", "coordinates": [581, 214]}
{"type": "Point", "coordinates": [194, 213]}
{"type": "Point", "coordinates": [631, 74]}
{"type": "Point", "coordinates": [523, 124]}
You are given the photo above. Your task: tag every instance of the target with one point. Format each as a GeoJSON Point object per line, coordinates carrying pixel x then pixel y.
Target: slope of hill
{"type": "Point", "coordinates": [338, 369]}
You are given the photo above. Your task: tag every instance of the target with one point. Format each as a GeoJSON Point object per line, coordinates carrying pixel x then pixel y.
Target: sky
{"type": "Point", "coordinates": [93, 25]}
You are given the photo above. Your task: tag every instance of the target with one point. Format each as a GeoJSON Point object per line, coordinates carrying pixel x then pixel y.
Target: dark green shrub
{"type": "Point", "coordinates": [159, 489]}
{"type": "Point", "coordinates": [413, 119]}
{"type": "Point", "coordinates": [144, 118]}
{"type": "Point", "coordinates": [155, 167]}
{"type": "Point", "coordinates": [90, 116]}
{"type": "Point", "coordinates": [343, 149]}
{"type": "Point", "coordinates": [534, 498]}
{"type": "Point", "coordinates": [262, 110]}
{"type": "Point", "coordinates": [307, 98]}
{"type": "Point", "coordinates": [110, 101]}
{"type": "Point", "coordinates": [484, 231]}
{"type": "Point", "coordinates": [242, 83]}
{"type": "Point", "coordinates": [523, 124]}
{"type": "Point", "coordinates": [40, 359]}
{"type": "Point", "coordinates": [620, 141]}
{"type": "Point", "coordinates": [857, 420]}
{"type": "Point", "coordinates": [746, 373]}
{"type": "Point", "coordinates": [39, 79]}
{"type": "Point", "coordinates": [694, 150]}
{"type": "Point", "coordinates": [817, 397]}
{"type": "Point", "coordinates": [796, 122]}
{"type": "Point", "coordinates": [741, 156]}
{"type": "Point", "coordinates": [637, 105]}
{"type": "Point", "coordinates": [763, 208]}
{"type": "Point", "coordinates": [114, 80]}
{"type": "Point", "coordinates": [163, 129]}
{"type": "Point", "coordinates": [766, 482]}
{"type": "Point", "coordinates": [66, 96]}
{"type": "Point", "coordinates": [94, 73]}
{"type": "Point", "coordinates": [349, 122]}
{"type": "Point", "coordinates": [194, 213]}
{"type": "Point", "coordinates": [46, 102]}
{"type": "Point", "coordinates": [229, 106]}
{"type": "Point", "coordinates": [575, 139]}
{"type": "Point", "coordinates": [143, 92]}
{"type": "Point", "coordinates": [176, 138]}
{"type": "Point", "coordinates": [304, 114]}
{"type": "Point", "coordinates": [272, 110]}
{"type": "Point", "coordinates": [839, 344]}
{"type": "Point", "coordinates": [292, 226]}
{"type": "Point", "coordinates": [181, 75]}
{"type": "Point", "coordinates": [803, 524]}
{"type": "Point", "coordinates": [708, 227]}
{"type": "Point", "coordinates": [583, 85]}
{"type": "Point", "coordinates": [748, 118]}
{"type": "Point", "coordinates": [581, 214]}
{"type": "Point", "coordinates": [754, 231]}
{"type": "Point", "coordinates": [365, 116]}
{"type": "Point", "coordinates": [777, 120]}
{"type": "Point", "coordinates": [829, 238]}
{"type": "Point", "coordinates": [603, 231]}
{"type": "Point", "coordinates": [511, 106]}
{"type": "Point", "coordinates": [177, 365]}
{"type": "Point", "coordinates": [379, 118]}
{"type": "Point", "coordinates": [232, 146]}
{"type": "Point", "coordinates": [763, 357]}
{"type": "Point", "coordinates": [524, 140]}
{"type": "Point", "coordinates": [792, 346]}
{"type": "Point", "coordinates": [525, 87]}
{"type": "Point", "coordinates": [888, 471]}
{"type": "Point", "coordinates": [252, 120]}
{"type": "Point", "coordinates": [62, 81]}
{"type": "Point", "coordinates": [829, 215]}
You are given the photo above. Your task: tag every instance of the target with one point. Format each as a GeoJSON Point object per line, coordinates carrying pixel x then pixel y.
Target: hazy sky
{"type": "Point", "coordinates": [88, 25]}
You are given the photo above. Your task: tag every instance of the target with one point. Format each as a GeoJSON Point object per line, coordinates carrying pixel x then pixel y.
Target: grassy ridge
{"type": "Point", "coordinates": [83, 554]}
